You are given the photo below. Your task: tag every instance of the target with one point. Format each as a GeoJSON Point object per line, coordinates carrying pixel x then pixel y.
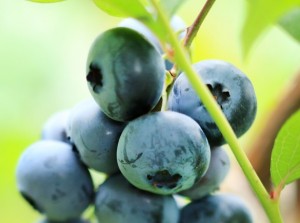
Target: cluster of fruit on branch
{"type": "Point", "coordinates": [149, 155]}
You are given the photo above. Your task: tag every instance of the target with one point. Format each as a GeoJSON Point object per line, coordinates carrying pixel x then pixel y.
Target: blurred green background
{"type": "Point", "coordinates": [43, 48]}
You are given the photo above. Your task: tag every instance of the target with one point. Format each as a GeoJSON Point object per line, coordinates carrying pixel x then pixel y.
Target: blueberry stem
{"type": "Point", "coordinates": [194, 28]}
{"type": "Point", "coordinates": [182, 60]}
{"type": "Point", "coordinates": [191, 33]}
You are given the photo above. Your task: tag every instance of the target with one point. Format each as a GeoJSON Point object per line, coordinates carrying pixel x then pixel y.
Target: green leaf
{"type": "Point", "coordinates": [45, 1]}
{"type": "Point", "coordinates": [171, 6]}
{"type": "Point", "coordinates": [261, 14]}
{"type": "Point", "coordinates": [156, 28]}
{"type": "Point", "coordinates": [123, 8]}
{"type": "Point", "coordinates": [291, 23]}
{"type": "Point", "coordinates": [285, 159]}
{"type": "Point", "coordinates": [140, 9]}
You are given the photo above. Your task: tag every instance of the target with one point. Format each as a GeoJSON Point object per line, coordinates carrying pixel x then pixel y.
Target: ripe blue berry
{"type": "Point", "coordinates": [163, 152]}
{"type": "Point", "coordinates": [117, 201]}
{"type": "Point", "coordinates": [223, 208]}
{"type": "Point", "coordinates": [233, 92]}
{"type": "Point", "coordinates": [55, 128]}
{"type": "Point", "coordinates": [125, 74]}
{"type": "Point", "coordinates": [96, 136]}
{"type": "Point", "coordinates": [54, 181]}
{"type": "Point", "coordinates": [218, 169]}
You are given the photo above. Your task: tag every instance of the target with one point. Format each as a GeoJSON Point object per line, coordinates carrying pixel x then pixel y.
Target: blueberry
{"type": "Point", "coordinates": [218, 169]}
{"type": "Point", "coordinates": [96, 136]}
{"type": "Point", "coordinates": [52, 179]}
{"type": "Point", "coordinates": [232, 90]}
{"type": "Point", "coordinates": [179, 26]}
{"type": "Point", "coordinates": [55, 127]}
{"type": "Point", "coordinates": [176, 23]}
{"type": "Point", "coordinates": [163, 152]}
{"type": "Point", "coordinates": [117, 201]}
{"type": "Point", "coordinates": [223, 208]}
{"type": "Point", "coordinates": [125, 74]}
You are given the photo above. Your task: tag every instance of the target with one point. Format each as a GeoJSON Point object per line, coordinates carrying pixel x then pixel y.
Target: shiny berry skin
{"type": "Point", "coordinates": [125, 74]}
{"type": "Point", "coordinates": [225, 208]}
{"type": "Point", "coordinates": [163, 152]}
{"type": "Point", "coordinates": [95, 136]}
{"type": "Point", "coordinates": [54, 181]}
{"type": "Point", "coordinates": [117, 201]}
{"type": "Point", "coordinates": [217, 171]}
{"type": "Point", "coordinates": [232, 90]}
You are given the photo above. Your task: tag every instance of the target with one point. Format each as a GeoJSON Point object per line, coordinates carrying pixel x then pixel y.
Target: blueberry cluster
{"type": "Point", "coordinates": [148, 156]}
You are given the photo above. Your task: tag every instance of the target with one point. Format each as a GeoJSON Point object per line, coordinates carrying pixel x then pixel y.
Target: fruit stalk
{"type": "Point", "coordinates": [190, 35]}
{"type": "Point", "coordinates": [182, 60]}
{"type": "Point", "coordinates": [194, 28]}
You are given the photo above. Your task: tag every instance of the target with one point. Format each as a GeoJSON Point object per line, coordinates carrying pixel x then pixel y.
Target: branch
{"type": "Point", "coordinates": [194, 28]}
{"type": "Point", "coordinates": [192, 32]}
{"type": "Point", "coordinates": [288, 103]}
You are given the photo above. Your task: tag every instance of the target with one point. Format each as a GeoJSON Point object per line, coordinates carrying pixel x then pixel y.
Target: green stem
{"type": "Point", "coordinates": [181, 58]}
